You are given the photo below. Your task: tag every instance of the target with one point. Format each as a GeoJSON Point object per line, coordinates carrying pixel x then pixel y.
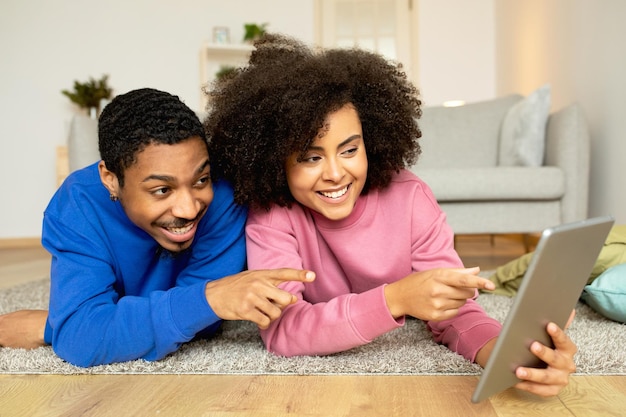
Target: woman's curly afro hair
{"type": "Point", "coordinates": [261, 114]}
{"type": "Point", "coordinates": [141, 117]}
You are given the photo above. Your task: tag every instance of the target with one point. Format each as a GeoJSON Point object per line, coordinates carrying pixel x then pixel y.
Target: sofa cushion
{"type": "Point", "coordinates": [464, 136]}
{"type": "Point", "coordinates": [495, 183]}
{"type": "Point", "coordinates": [522, 140]}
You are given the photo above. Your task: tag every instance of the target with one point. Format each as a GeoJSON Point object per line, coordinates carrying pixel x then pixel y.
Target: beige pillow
{"type": "Point", "coordinates": [522, 138]}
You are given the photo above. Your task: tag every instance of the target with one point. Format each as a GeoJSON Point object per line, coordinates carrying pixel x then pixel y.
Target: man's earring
{"type": "Point", "coordinates": [113, 197]}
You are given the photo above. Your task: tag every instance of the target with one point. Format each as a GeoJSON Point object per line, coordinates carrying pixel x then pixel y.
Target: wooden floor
{"type": "Point", "coordinates": [20, 265]}
{"type": "Point", "coordinates": [282, 395]}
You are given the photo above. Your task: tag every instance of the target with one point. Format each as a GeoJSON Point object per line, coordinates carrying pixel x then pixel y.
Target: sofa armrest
{"type": "Point", "coordinates": [568, 147]}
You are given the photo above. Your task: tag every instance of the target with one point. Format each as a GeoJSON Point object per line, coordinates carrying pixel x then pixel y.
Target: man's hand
{"type": "Point", "coordinates": [23, 329]}
{"type": "Point", "coordinates": [437, 294]}
{"type": "Point", "coordinates": [253, 295]}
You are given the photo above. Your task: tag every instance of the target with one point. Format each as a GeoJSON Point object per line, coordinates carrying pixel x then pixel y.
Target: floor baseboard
{"type": "Point", "coordinates": [20, 243]}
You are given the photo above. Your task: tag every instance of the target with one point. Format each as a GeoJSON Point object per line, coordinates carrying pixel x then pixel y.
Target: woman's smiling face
{"type": "Point", "coordinates": [330, 176]}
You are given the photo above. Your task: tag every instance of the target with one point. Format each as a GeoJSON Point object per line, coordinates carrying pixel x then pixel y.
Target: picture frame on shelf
{"type": "Point", "coordinates": [221, 35]}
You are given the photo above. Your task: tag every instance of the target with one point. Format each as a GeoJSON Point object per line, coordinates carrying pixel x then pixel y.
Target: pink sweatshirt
{"type": "Point", "coordinates": [390, 234]}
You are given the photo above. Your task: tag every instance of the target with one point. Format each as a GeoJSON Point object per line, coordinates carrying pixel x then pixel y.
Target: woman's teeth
{"type": "Point", "coordinates": [335, 194]}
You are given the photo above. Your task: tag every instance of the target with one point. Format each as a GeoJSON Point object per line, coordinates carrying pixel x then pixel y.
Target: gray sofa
{"type": "Point", "coordinates": [461, 161]}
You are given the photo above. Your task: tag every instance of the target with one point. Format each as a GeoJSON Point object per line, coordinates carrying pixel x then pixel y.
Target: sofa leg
{"type": "Point", "coordinates": [527, 242]}
{"type": "Point", "coordinates": [530, 241]}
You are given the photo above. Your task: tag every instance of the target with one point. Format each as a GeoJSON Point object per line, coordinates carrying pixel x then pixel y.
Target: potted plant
{"type": "Point", "coordinates": [253, 31]}
{"type": "Point", "coordinates": [224, 71]}
{"type": "Point", "coordinates": [89, 94]}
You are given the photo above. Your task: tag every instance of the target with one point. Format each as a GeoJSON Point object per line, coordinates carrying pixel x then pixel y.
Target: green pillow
{"type": "Point", "coordinates": [607, 293]}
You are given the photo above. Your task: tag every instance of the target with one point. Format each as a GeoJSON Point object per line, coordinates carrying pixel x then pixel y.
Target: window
{"type": "Point", "coordinates": [382, 26]}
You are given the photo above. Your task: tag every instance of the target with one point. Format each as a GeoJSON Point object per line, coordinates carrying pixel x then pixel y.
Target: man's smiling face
{"type": "Point", "coordinates": [166, 191]}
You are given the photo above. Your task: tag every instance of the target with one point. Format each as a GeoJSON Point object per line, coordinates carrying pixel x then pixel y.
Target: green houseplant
{"type": "Point", "coordinates": [253, 31]}
{"type": "Point", "coordinates": [224, 71]}
{"type": "Point", "coordinates": [87, 95]}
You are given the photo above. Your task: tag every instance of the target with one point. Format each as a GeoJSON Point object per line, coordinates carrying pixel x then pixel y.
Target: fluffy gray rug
{"type": "Point", "coordinates": [238, 349]}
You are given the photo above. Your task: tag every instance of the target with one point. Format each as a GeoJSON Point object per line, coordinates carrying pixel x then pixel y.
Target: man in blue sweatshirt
{"type": "Point", "coordinates": [147, 249]}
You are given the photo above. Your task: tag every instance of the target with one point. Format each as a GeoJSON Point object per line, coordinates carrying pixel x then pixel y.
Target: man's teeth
{"type": "Point", "coordinates": [180, 230]}
{"type": "Point", "coordinates": [335, 194]}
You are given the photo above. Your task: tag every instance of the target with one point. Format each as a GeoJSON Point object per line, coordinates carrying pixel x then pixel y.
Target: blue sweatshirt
{"type": "Point", "coordinates": [115, 295]}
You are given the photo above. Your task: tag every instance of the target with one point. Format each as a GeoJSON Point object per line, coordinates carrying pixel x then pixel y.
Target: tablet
{"type": "Point", "coordinates": [554, 280]}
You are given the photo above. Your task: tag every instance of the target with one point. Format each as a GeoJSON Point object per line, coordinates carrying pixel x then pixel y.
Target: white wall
{"type": "Point", "coordinates": [46, 45]}
{"type": "Point", "coordinates": [575, 45]}
{"type": "Point", "coordinates": [456, 50]}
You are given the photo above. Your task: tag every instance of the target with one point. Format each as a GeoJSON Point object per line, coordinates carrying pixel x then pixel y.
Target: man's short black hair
{"type": "Point", "coordinates": [139, 118]}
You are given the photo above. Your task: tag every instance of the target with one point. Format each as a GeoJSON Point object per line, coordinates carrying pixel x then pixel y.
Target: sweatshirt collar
{"type": "Point", "coordinates": [359, 208]}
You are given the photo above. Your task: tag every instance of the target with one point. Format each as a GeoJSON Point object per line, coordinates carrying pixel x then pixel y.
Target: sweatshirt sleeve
{"type": "Point", "coordinates": [468, 332]}
{"type": "Point", "coordinates": [99, 316]}
{"type": "Point", "coordinates": [433, 247]}
{"type": "Point", "coordinates": [338, 324]}
{"type": "Point", "coordinates": [218, 252]}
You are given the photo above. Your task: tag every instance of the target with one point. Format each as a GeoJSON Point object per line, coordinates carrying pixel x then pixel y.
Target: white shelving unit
{"type": "Point", "coordinates": [213, 56]}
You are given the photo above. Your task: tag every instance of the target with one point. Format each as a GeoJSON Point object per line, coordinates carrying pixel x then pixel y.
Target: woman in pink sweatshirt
{"type": "Point", "coordinates": [316, 144]}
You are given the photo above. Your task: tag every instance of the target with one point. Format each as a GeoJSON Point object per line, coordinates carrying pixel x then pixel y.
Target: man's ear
{"type": "Point", "coordinates": [109, 179]}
